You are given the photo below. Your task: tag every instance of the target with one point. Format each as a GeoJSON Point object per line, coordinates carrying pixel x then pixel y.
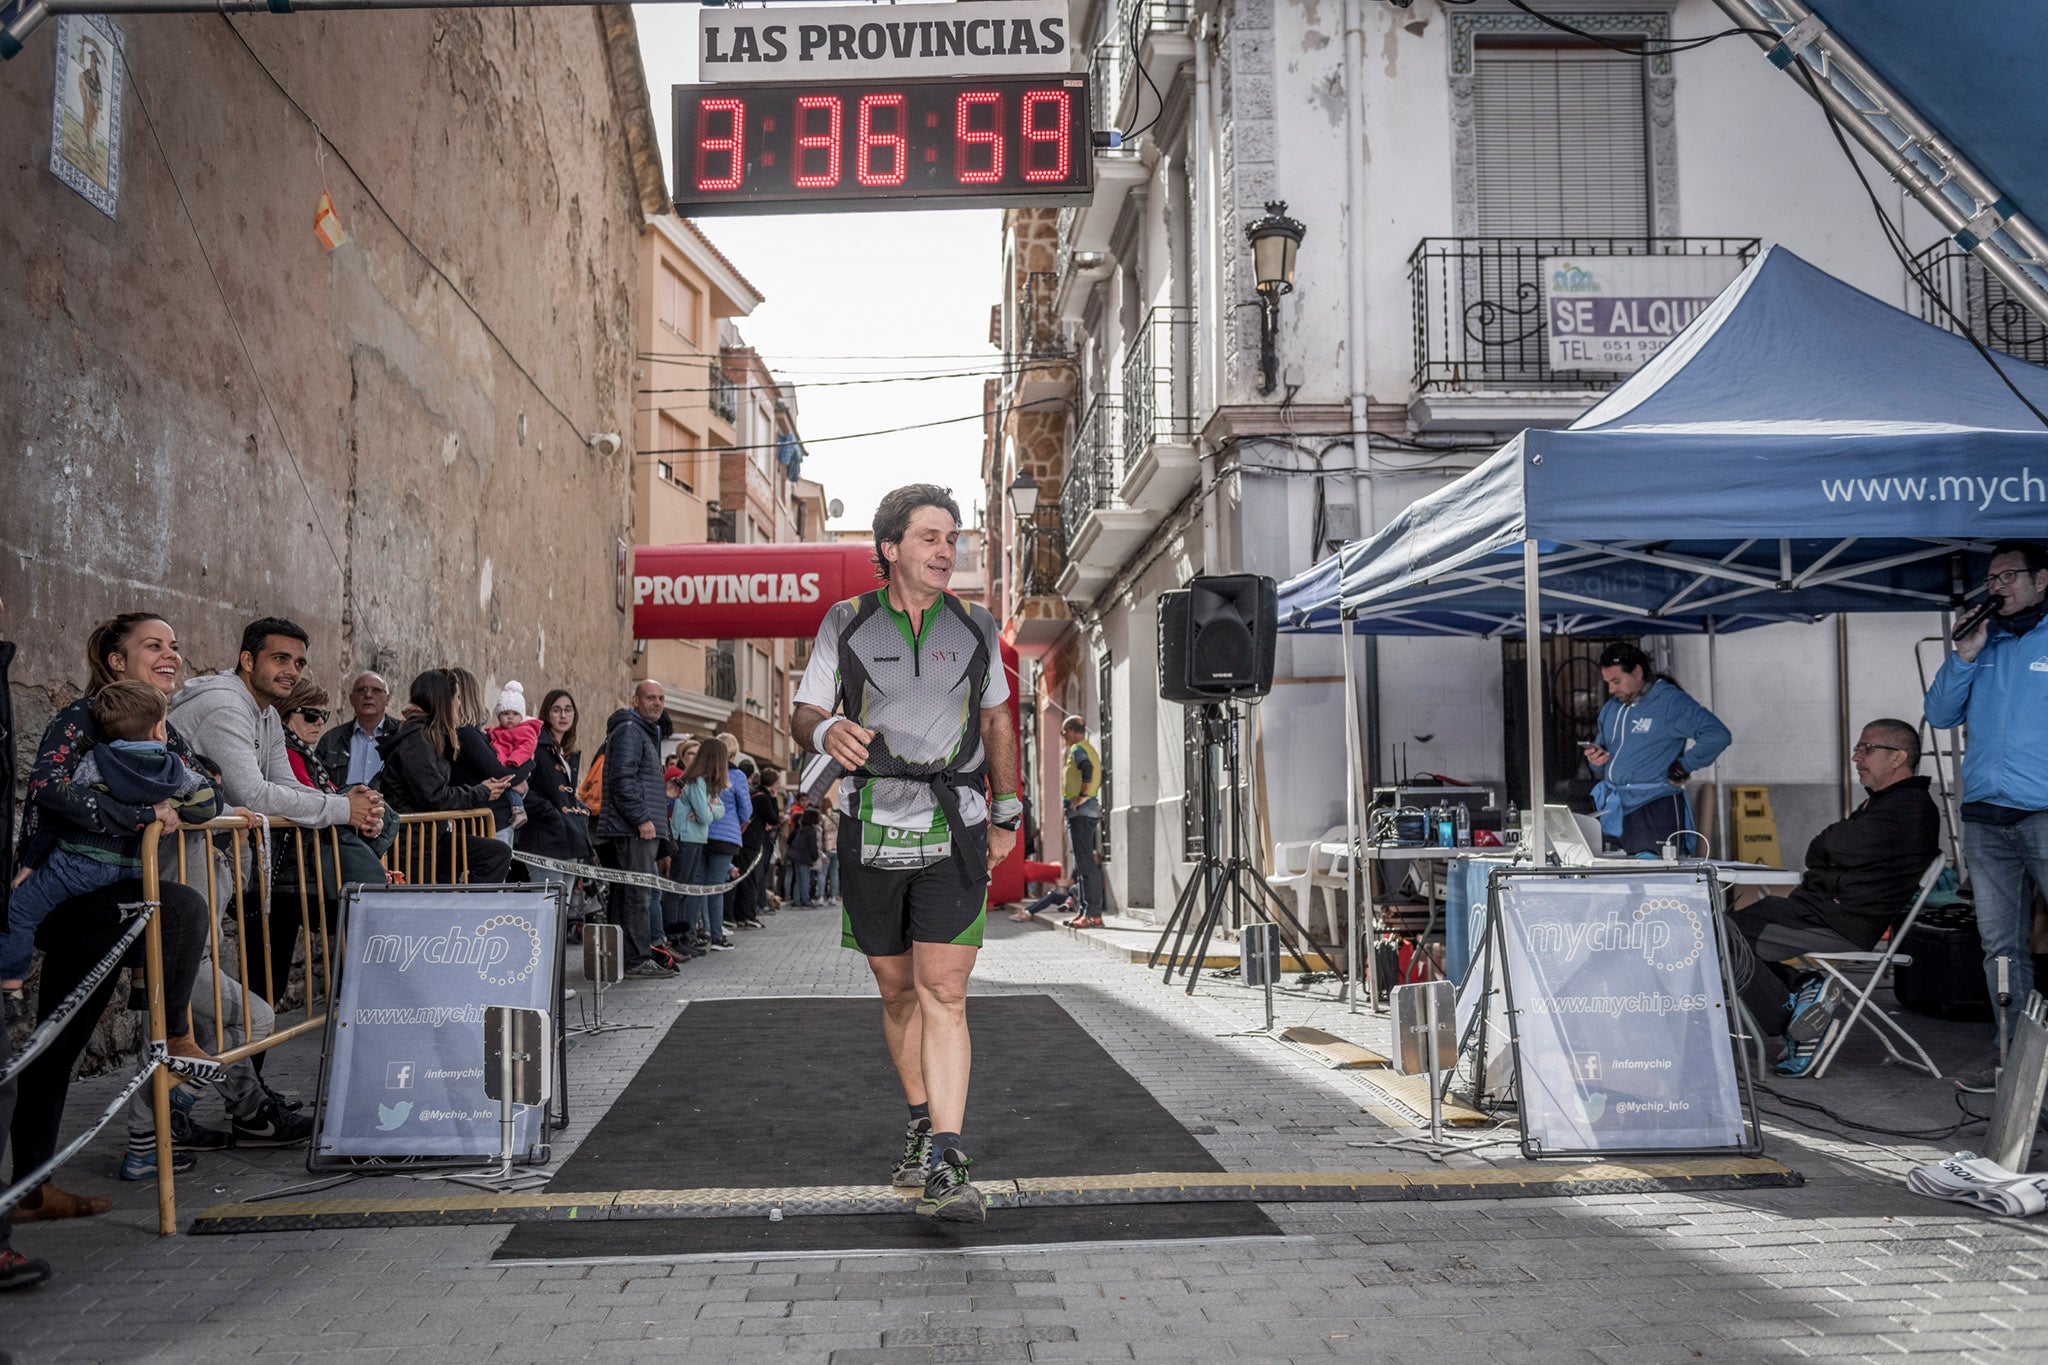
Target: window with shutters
{"type": "Point", "coordinates": [1560, 141]}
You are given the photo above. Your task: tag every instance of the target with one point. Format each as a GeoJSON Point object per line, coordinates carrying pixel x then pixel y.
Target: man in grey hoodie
{"type": "Point", "coordinates": [231, 719]}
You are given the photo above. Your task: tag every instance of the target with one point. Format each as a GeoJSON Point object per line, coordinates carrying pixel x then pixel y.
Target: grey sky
{"type": "Point", "coordinates": [850, 285]}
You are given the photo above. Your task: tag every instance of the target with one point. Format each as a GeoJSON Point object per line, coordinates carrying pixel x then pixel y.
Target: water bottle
{"type": "Point", "coordinates": [1446, 828]}
{"type": "Point", "coordinates": [1462, 813]}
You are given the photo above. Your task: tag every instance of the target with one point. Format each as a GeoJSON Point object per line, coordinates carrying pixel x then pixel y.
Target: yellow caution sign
{"type": "Point", "coordinates": [1755, 827]}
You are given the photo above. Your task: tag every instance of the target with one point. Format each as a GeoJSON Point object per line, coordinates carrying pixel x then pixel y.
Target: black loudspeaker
{"type": "Point", "coordinates": [1216, 638]}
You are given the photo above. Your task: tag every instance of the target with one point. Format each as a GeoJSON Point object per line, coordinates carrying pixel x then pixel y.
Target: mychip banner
{"type": "Point", "coordinates": [1620, 1018]}
{"type": "Point", "coordinates": [405, 1064]}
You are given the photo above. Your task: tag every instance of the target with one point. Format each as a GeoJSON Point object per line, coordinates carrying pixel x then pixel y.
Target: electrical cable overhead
{"type": "Point", "coordinates": [1138, 60]}
{"type": "Point", "coordinates": [580, 429]}
{"type": "Point", "coordinates": [850, 436]}
{"type": "Point", "coordinates": [1645, 47]}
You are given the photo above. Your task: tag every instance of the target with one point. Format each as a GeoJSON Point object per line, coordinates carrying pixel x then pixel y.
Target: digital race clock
{"type": "Point", "coordinates": [816, 148]}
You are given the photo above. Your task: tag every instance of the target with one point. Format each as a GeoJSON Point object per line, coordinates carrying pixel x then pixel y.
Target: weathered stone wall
{"type": "Point", "coordinates": [411, 481]}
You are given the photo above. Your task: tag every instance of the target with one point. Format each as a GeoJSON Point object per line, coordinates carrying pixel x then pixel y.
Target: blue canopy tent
{"type": "Point", "coordinates": [1801, 449]}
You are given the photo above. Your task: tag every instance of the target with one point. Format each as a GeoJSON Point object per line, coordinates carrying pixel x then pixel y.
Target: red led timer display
{"type": "Point", "coordinates": [853, 145]}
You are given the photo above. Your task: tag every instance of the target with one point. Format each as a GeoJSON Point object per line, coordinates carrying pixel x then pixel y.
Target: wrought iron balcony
{"type": "Point", "coordinates": [1109, 66]}
{"type": "Point", "coordinates": [1478, 304]}
{"type": "Point", "coordinates": [1041, 552]}
{"type": "Point", "coordinates": [721, 674]}
{"type": "Point", "coordinates": [1095, 469]}
{"type": "Point", "coordinates": [1978, 300]}
{"type": "Point", "coordinates": [1159, 404]}
{"type": "Point", "coordinates": [725, 394]}
{"type": "Point", "coordinates": [722, 527]}
{"type": "Point", "coordinates": [1039, 335]}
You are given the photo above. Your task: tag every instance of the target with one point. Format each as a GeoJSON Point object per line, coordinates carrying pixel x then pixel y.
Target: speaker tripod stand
{"type": "Point", "coordinates": [1226, 881]}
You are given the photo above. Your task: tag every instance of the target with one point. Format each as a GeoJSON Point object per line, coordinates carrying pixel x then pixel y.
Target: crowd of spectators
{"type": "Point", "coordinates": [264, 741]}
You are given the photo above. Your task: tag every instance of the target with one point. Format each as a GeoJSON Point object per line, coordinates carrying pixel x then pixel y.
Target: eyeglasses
{"type": "Point", "coordinates": [313, 715]}
{"type": "Point", "coordinates": [1863, 749]}
{"type": "Point", "coordinates": [2005, 578]}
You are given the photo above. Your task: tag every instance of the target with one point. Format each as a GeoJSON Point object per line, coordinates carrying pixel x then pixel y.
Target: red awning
{"type": "Point", "coordinates": [738, 592]}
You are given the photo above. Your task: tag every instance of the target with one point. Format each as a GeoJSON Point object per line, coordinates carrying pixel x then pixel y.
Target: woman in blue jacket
{"type": "Point", "coordinates": [722, 838]}
{"type": "Point", "coordinates": [1653, 736]}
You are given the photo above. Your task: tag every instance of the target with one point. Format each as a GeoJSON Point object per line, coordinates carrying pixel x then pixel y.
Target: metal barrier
{"type": "Point", "coordinates": [261, 851]}
{"type": "Point", "coordinates": [416, 855]}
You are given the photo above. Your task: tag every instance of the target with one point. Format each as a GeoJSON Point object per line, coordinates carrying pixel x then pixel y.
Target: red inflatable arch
{"type": "Point", "coordinates": [739, 592]}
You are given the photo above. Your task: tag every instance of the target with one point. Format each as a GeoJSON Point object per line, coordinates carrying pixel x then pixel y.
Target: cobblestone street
{"type": "Point", "coordinates": [1849, 1266]}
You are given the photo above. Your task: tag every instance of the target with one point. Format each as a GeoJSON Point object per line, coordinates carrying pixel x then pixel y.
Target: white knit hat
{"type": "Point", "coordinates": [513, 698]}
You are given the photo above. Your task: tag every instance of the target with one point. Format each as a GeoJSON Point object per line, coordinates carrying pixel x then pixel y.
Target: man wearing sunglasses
{"type": "Point", "coordinates": [1861, 875]}
{"type": "Point", "coordinates": [1996, 682]}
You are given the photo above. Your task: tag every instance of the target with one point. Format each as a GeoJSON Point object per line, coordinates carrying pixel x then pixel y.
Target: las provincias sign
{"type": "Point", "coordinates": [1013, 37]}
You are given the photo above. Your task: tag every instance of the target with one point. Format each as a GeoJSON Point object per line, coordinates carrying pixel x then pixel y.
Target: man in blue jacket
{"type": "Point", "coordinates": [1642, 756]}
{"type": "Point", "coordinates": [1996, 682]}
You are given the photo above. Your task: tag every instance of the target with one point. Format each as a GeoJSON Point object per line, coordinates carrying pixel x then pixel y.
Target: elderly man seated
{"type": "Point", "coordinates": [1861, 876]}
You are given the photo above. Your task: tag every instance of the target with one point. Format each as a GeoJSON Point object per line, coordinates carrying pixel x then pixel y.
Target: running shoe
{"type": "Point", "coordinates": [188, 1135]}
{"type": "Point", "coordinates": [720, 945]}
{"type": "Point", "coordinates": [917, 1156]}
{"type": "Point", "coordinates": [272, 1125]}
{"type": "Point", "coordinates": [1085, 922]}
{"type": "Point", "coordinates": [141, 1165]}
{"type": "Point", "coordinates": [1801, 1057]}
{"type": "Point", "coordinates": [949, 1194]}
{"type": "Point", "coordinates": [1816, 1005]}
{"type": "Point", "coordinates": [665, 958]}
{"type": "Point", "coordinates": [649, 968]}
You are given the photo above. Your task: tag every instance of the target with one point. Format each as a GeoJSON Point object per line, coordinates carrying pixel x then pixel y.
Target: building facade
{"type": "Point", "coordinates": [386, 435]}
{"type": "Point", "coordinates": [1436, 155]}
{"type": "Point", "coordinates": [688, 417]}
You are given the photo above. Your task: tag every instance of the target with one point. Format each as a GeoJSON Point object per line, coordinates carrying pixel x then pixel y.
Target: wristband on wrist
{"type": "Point", "coordinates": [818, 732]}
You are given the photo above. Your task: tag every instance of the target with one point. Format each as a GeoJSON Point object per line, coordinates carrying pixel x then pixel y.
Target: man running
{"type": "Point", "coordinates": [905, 691]}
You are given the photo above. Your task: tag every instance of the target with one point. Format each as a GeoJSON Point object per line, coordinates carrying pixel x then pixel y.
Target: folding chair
{"type": "Point", "coordinates": [1839, 965]}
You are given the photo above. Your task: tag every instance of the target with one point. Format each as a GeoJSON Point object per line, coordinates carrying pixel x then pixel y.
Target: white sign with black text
{"type": "Point", "coordinates": [838, 42]}
{"type": "Point", "coordinates": [1615, 312]}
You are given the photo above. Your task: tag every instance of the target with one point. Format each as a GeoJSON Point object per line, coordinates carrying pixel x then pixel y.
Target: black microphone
{"type": "Point", "coordinates": [1977, 617]}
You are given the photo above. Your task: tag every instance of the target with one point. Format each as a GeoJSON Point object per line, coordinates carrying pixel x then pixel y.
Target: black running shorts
{"type": "Point", "coordinates": [884, 912]}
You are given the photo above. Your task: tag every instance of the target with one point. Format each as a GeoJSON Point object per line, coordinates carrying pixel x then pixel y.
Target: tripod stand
{"type": "Point", "coordinates": [1221, 882]}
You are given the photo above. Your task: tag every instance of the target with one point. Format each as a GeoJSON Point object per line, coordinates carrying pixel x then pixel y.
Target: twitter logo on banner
{"type": "Point", "coordinates": [392, 1117]}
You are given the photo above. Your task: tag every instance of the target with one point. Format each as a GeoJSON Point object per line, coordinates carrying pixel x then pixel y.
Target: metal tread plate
{"type": "Point", "coordinates": [1266, 1187]}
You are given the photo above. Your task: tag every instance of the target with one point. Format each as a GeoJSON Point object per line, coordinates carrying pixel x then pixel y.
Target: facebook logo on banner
{"type": "Point", "coordinates": [398, 1076]}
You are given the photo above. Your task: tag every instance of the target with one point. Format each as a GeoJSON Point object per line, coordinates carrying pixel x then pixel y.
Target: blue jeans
{"type": "Point", "coordinates": [63, 875]}
{"type": "Point", "coordinates": [685, 865]}
{"type": "Point", "coordinates": [1083, 833]}
{"type": "Point", "coordinates": [831, 875]}
{"type": "Point", "coordinates": [2002, 858]}
{"type": "Point", "coordinates": [803, 884]}
{"type": "Point", "coordinates": [711, 909]}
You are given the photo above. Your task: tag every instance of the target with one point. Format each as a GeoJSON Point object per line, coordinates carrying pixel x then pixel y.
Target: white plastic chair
{"type": "Point", "coordinates": [1877, 963]}
{"type": "Point", "coordinates": [1300, 866]}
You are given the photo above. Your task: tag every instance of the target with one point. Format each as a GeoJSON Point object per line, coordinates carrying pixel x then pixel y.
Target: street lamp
{"type": "Point", "coordinates": [1024, 495]}
{"type": "Point", "coordinates": [1275, 239]}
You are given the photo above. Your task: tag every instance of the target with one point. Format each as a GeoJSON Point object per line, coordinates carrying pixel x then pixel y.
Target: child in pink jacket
{"type": "Point", "coordinates": [514, 738]}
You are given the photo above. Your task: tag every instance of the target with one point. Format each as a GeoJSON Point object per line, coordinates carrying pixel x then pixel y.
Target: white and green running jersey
{"type": "Point", "coordinates": [921, 687]}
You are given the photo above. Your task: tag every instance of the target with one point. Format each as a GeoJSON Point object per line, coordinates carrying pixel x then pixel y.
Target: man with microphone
{"type": "Point", "coordinates": [1996, 682]}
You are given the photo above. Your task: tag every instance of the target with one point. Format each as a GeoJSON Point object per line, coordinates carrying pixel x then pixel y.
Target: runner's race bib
{"type": "Point", "coordinates": [902, 850]}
